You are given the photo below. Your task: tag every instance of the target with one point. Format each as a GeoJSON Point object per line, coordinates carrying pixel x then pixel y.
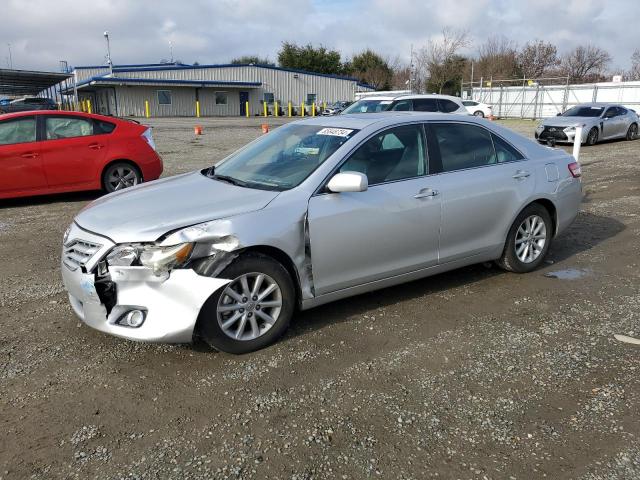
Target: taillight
{"type": "Point", "coordinates": [574, 168]}
{"type": "Point", "coordinates": [149, 138]}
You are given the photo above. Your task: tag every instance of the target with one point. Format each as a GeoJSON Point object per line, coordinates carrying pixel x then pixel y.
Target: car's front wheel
{"type": "Point", "coordinates": [120, 175]}
{"type": "Point", "coordinates": [592, 136]}
{"type": "Point", "coordinates": [253, 310]}
{"type": "Point", "coordinates": [528, 240]}
{"type": "Point", "coordinates": [632, 131]}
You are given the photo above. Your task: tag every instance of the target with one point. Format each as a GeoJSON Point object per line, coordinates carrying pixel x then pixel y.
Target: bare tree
{"type": "Point", "coordinates": [498, 58]}
{"type": "Point", "coordinates": [634, 73]}
{"type": "Point", "coordinates": [585, 63]}
{"type": "Point", "coordinates": [536, 58]}
{"type": "Point", "coordinates": [436, 61]}
{"type": "Point", "coordinates": [401, 74]}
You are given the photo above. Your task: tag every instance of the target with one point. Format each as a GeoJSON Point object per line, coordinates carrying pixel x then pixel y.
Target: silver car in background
{"type": "Point", "coordinates": [599, 121]}
{"type": "Point", "coordinates": [314, 211]}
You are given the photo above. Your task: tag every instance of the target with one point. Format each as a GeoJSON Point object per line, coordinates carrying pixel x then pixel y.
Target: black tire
{"type": "Point", "coordinates": [129, 173]}
{"type": "Point", "coordinates": [592, 137]}
{"type": "Point", "coordinates": [210, 329]}
{"type": "Point", "coordinates": [509, 260]}
{"type": "Point", "coordinates": [478, 113]}
{"type": "Point", "coordinates": [632, 131]}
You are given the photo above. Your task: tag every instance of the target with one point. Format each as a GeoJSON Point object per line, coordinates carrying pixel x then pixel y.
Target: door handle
{"type": "Point", "coordinates": [95, 146]}
{"type": "Point", "coordinates": [521, 174]}
{"type": "Point", "coordinates": [29, 155]}
{"type": "Point", "coordinates": [426, 192]}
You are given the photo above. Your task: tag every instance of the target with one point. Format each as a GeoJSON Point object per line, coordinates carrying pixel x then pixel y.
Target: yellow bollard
{"type": "Point", "coordinates": [264, 104]}
{"type": "Point", "coordinates": [146, 108]}
{"type": "Point", "coordinates": [246, 109]}
{"type": "Point", "coordinates": [198, 108]}
{"type": "Point", "coordinates": [302, 109]}
{"type": "Point", "coordinates": [275, 108]}
{"type": "Point", "coordinates": [324, 106]}
{"type": "Point", "coordinates": [289, 109]}
{"type": "Point", "coordinates": [313, 109]}
{"type": "Point", "coordinates": [89, 106]}
{"type": "Point", "coordinates": [83, 105]}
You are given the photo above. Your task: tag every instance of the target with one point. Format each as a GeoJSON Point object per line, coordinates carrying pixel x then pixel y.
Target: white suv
{"type": "Point", "coordinates": [418, 103]}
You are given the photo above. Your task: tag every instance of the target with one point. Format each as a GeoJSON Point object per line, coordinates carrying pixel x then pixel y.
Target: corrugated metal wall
{"type": "Point", "coordinates": [131, 101]}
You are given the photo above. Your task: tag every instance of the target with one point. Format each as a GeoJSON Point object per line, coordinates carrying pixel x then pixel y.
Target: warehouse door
{"type": "Point", "coordinates": [244, 98]}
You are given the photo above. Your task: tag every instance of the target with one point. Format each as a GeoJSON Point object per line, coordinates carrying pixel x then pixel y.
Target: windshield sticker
{"type": "Point", "coordinates": [335, 132]}
{"type": "Point", "coordinates": [307, 150]}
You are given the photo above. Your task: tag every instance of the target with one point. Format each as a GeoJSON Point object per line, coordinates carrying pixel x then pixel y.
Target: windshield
{"type": "Point", "coordinates": [283, 158]}
{"type": "Point", "coordinates": [583, 112]}
{"type": "Point", "coordinates": [368, 106]}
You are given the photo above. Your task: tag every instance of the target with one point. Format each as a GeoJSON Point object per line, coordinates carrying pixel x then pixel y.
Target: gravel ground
{"type": "Point", "coordinates": [473, 374]}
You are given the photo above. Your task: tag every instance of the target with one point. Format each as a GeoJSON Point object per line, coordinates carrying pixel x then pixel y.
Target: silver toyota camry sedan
{"type": "Point", "coordinates": [314, 211]}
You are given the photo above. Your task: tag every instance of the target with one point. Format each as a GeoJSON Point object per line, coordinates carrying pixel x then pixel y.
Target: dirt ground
{"type": "Point", "coordinates": [472, 374]}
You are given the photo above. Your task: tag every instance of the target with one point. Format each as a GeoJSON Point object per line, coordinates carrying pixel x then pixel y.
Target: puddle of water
{"type": "Point", "coordinates": [567, 274]}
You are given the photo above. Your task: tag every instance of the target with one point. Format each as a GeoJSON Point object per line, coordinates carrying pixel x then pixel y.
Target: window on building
{"type": "Point", "coordinates": [164, 97]}
{"type": "Point", "coordinates": [67, 127]}
{"type": "Point", "coordinates": [221, 98]}
{"type": "Point", "coordinates": [21, 130]}
{"type": "Point", "coordinates": [268, 97]}
{"type": "Point", "coordinates": [311, 98]}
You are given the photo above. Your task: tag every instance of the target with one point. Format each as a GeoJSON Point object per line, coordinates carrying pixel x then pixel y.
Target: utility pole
{"type": "Point", "coordinates": [10, 58]}
{"type": "Point", "coordinates": [411, 70]}
{"type": "Point", "coordinates": [171, 51]}
{"type": "Point", "coordinates": [109, 62]}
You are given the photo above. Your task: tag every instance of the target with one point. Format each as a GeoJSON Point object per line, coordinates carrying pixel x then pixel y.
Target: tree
{"type": "Point", "coordinates": [252, 60]}
{"type": "Point", "coordinates": [537, 58]}
{"type": "Point", "coordinates": [439, 62]}
{"type": "Point", "coordinates": [310, 58]}
{"type": "Point", "coordinates": [498, 59]}
{"type": "Point", "coordinates": [369, 67]}
{"type": "Point", "coordinates": [585, 63]}
{"type": "Point", "coordinates": [634, 73]}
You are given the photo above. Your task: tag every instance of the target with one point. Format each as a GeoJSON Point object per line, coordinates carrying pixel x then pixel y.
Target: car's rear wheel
{"type": "Point", "coordinates": [253, 310]}
{"type": "Point", "coordinates": [528, 240]}
{"type": "Point", "coordinates": [120, 175]}
{"type": "Point", "coordinates": [478, 113]}
{"type": "Point", "coordinates": [592, 136]}
{"type": "Point", "coordinates": [632, 131]}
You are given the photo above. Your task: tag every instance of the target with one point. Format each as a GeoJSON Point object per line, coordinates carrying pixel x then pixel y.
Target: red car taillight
{"type": "Point", "coordinates": [574, 168]}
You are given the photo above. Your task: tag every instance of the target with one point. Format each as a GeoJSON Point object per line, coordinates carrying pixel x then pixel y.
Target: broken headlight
{"type": "Point", "coordinates": [159, 259]}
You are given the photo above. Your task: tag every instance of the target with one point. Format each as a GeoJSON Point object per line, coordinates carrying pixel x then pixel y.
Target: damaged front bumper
{"type": "Point", "coordinates": [169, 304]}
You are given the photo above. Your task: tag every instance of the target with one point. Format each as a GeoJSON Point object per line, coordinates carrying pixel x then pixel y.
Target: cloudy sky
{"type": "Point", "coordinates": [43, 32]}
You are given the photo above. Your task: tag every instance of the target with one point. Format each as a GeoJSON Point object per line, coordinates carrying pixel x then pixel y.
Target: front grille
{"type": "Point", "coordinates": [79, 252]}
{"type": "Point", "coordinates": [553, 132]}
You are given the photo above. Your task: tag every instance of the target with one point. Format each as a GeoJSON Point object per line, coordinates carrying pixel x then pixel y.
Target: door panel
{"type": "Point", "coordinates": [478, 206]}
{"type": "Point", "coordinates": [20, 156]}
{"type": "Point", "coordinates": [360, 237]}
{"type": "Point", "coordinates": [71, 153]}
{"type": "Point", "coordinates": [244, 98]}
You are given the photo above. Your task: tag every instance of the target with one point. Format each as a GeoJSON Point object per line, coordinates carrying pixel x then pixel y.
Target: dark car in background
{"type": "Point", "coordinates": [335, 108]}
{"type": "Point", "coordinates": [28, 103]}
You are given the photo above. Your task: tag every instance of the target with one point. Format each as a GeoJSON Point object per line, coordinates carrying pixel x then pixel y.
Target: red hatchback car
{"type": "Point", "coordinates": [45, 152]}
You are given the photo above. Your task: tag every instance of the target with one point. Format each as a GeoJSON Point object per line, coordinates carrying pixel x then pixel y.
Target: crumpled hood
{"type": "Point", "coordinates": [146, 212]}
{"type": "Point", "coordinates": [561, 121]}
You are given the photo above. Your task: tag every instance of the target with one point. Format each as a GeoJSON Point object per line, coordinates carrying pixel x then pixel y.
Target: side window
{"type": "Point", "coordinates": [402, 106]}
{"type": "Point", "coordinates": [425, 105]}
{"type": "Point", "coordinates": [463, 146]}
{"type": "Point", "coordinates": [504, 151]}
{"type": "Point", "coordinates": [611, 112]}
{"type": "Point", "coordinates": [447, 106]}
{"type": "Point", "coordinates": [67, 127]}
{"type": "Point", "coordinates": [21, 130]}
{"type": "Point", "coordinates": [394, 154]}
{"type": "Point", "coordinates": [620, 111]}
{"type": "Point", "coordinates": [102, 127]}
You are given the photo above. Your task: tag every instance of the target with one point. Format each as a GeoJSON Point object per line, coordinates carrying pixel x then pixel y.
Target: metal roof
{"type": "Point", "coordinates": [104, 80]}
{"type": "Point", "coordinates": [25, 82]}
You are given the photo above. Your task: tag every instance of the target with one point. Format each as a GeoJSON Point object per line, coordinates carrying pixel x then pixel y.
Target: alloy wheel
{"type": "Point", "coordinates": [249, 306]}
{"type": "Point", "coordinates": [531, 238]}
{"type": "Point", "coordinates": [122, 177]}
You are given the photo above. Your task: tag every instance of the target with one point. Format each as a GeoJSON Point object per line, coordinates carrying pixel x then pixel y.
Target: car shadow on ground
{"type": "Point", "coordinates": [86, 196]}
{"type": "Point", "coordinates": [587, 232]}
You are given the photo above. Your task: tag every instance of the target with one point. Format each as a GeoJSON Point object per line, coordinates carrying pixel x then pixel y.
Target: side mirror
{"type": "Point", "coordinates": [348, 182]}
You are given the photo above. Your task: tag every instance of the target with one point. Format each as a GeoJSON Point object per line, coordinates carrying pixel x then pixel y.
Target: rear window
{"type": "Point", "coordinates": [447, 106]}
{"type": "Point", "coordinates": [102, 127]}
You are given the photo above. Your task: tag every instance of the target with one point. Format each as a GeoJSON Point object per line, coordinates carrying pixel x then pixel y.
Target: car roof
{"type": "Point", "coordinates": [362, 120]}
{"type": "Point", "coordinates": [598, 104]}
{"type": "Point", "coordinates": [410, 96]}
{"type": "Point", "coordinates": [29, 113]}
